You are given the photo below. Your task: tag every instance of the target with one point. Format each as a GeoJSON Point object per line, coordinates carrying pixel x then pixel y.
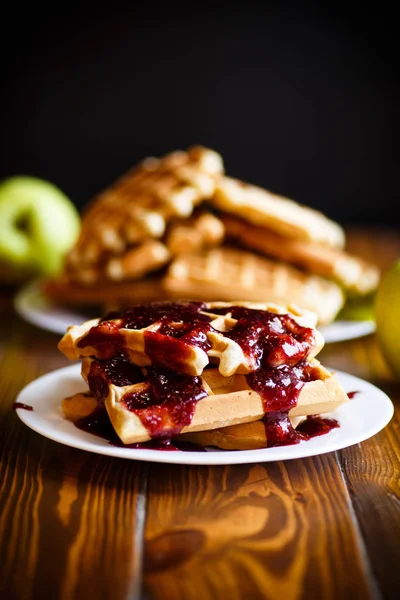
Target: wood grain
{"type": "Point", "coordinates": [276, 530]}
{"type": "Point", "coordinates": [371, 471]}
{"type": "Point", "coordinates": [68, 518]}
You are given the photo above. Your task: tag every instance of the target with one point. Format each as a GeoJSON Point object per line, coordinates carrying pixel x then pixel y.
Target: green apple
{"type": "Point", "coordinates": [39, 224]}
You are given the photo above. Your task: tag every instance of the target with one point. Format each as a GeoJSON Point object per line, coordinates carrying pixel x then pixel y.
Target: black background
{"type": "Point", "coordinates": [302, 100]}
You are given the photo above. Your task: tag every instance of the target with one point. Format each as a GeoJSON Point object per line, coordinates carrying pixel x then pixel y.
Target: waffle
{"type": "Point", "coordinates": [353, 273]}
{"type": "Point", "coordinates": [234, 274]}
{"type": "Point", "coordinates": [284, 216]}
{"type": "Point", "coordinates": [127, 218]}
{"type": "Point", "coordinates": [170, 337]}
{"type": "Point", "coordinates": [198, 233]}
{"type": "Point", "coordinates": [244, 436]}
{"type": "Point", "coordinates": [167, 369]}
{"type": "Point", "coordinates": [229, 401]}
{"type": "Point", "coordinates": [109, 295]}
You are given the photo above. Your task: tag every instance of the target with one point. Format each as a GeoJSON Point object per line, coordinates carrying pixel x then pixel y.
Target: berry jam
{"type": "Point", "coordinates": [168, 404]}
{"type": "Point", "coordinates": [268, 338]}
{"type": "Point", "coordinates": [165, 402]}
{"type": "Point", "coordinates": [117, 370]}
{"type": "Point", "coordinates": [279, 387]}
{"type": "Point", "coordinates": [21, 405]}
{"type": "Point", "coordinates": [98, 423]}
{"type": "Point", "coordinates": [143, 315]}
{"type": "Point", "coordinates": [280, 432]}
{"type": "Point", "coordinates": [180, 326]}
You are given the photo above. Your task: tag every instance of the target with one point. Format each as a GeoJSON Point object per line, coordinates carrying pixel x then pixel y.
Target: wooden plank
{"type": "Point", "coordinates": [69, 519]}
{"type": "Point", "coordinates": [274, 530]}
{"type": "Point", "coordinates": [371, 471]}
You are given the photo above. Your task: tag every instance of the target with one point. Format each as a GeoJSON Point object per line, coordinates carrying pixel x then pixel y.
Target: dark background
{"type": "Point", "coordinates": [304, 101]}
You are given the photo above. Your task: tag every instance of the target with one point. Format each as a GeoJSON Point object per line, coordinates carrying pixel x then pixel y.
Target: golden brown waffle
{"type": "Point", "coordinates": [197, 233]}
{"type": "Point", "coordinates": [263, 208]}
{"type": "Point", "coordinates": [101, 339]}
{"type": "Point", "coordinates": [165, 369]}
{"type": "Point", "coordinates": [124, 221]}
{"type": "Point", "coordinates": [106, 295]}
{"type": "Point", "coordinates": [230, 402]}
{"type": "Point", "coordinates": [350, 271]}
{"type": "Point", "coordinates": [245, 436]}
{"type": "Point", "coordinates": [233, 274]}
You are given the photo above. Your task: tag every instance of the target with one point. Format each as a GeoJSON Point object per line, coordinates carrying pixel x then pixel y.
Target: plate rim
{"type": "Point", "coordinates": [222, 457]}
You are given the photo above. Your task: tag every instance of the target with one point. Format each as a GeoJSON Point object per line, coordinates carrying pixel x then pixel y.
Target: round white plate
{"type": "Point", "coordinates": [362, 417]}
{"type": "Point", "coordinates": [34, 307]}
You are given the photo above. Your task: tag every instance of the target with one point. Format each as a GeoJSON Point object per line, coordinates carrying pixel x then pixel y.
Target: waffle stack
{"type": "Point", "coordinates": [178, 227]}
{"type": "Point", "coordinates": [205, 372]}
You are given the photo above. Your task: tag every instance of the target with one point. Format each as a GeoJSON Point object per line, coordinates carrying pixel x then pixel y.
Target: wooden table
{"type": "Point", "coordinates": [80, 525]}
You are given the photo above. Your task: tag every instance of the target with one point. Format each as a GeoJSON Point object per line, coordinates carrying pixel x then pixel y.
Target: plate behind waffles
{"type": "Point", "coordinates": [178, 227]}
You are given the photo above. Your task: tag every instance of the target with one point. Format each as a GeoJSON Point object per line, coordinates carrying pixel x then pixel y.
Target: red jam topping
{"type": "Point", "coordinates": [166, 401]}
{"type": "Point", "coordinates": [117, 370]}
{"type": "Point", "coordinates": [280, 432]}
{"type": "Point", "coordinates": [143, 315]}
{"type": "Point", "coordinates": [269, 338]}
{"type": "Point", "coordinates": [180, 326]}
{"type": "Point", "coordinates": [279, 387]}
{"type": "Point", "coordinates": [22, 406]}
{"type": "Point", "coordinates": [98, 423]}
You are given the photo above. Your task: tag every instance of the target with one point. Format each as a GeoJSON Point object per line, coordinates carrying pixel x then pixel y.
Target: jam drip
{"type": "Point", "coordinates": [167, 403]}
{"type": "Point", "coordinates": [143, 315]}
{"type": "Point", "coordinates": [268, 338]}
{"type": "Point", "coordinates": [22, 405]}
{"type": "Point", "coordinates": [280, 432]}
{"type": "Point", "coordinates": [278, 347]}
{"type": "Point", "coordinates": [164, 401]}
{"type": "Point", "coordinates": [117, 370]}
{"type": "Point", "coordinates": [105, 337]}
{"type": "Point", "coordinates": [98, 423]}
{"type": "Point", "coordinates": [279, 387]}
{"type": "Point", "coordinates": [181, 325]}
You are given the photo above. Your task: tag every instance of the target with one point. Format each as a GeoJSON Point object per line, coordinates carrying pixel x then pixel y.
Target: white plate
{"type": "Point", "coordinates": [362, 417]}
{"type": "Point", "coordinates": [35, 308]}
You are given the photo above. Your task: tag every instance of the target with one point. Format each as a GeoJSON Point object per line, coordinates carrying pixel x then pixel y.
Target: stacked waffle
{"type": "Point", "coordinates": [177, 227]}
{"type": "Point", "coordinates": [234, 376]}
